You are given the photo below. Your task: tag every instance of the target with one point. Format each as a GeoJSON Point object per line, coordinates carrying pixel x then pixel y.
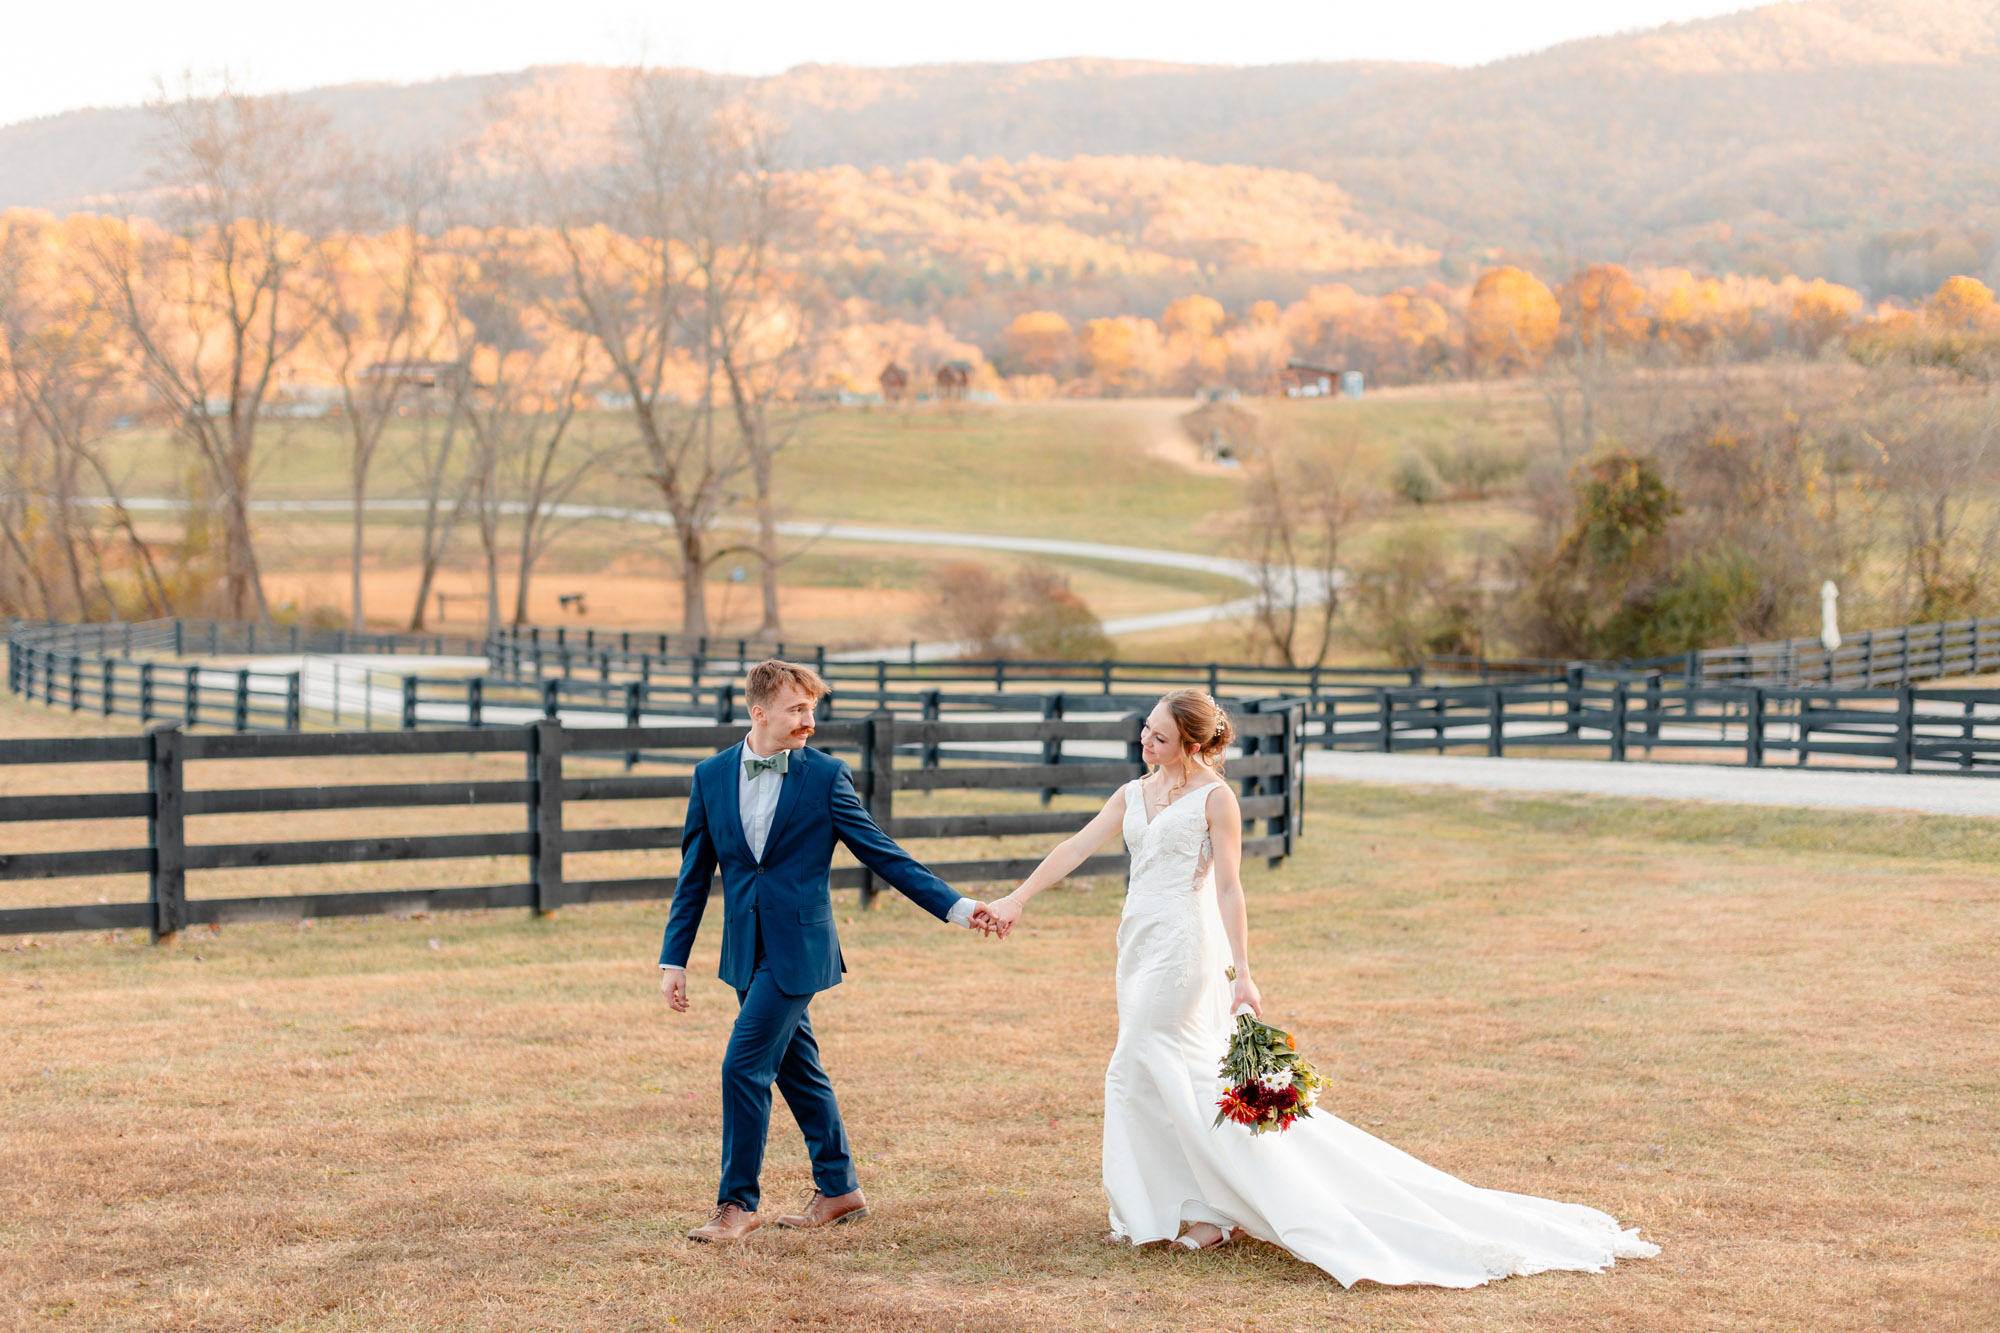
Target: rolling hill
{"type": "Point", "coordinates": [1857, 140]}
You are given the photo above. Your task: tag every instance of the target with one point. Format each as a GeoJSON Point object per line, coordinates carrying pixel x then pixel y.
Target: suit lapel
{"type": "Point", "coordinates": [727, 803]}
{"type": "Point", "coordinates": [788, 796]}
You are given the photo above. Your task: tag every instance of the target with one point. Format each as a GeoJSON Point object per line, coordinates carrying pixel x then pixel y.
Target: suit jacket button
{"type": "Point", "coordinates": [760, 870]}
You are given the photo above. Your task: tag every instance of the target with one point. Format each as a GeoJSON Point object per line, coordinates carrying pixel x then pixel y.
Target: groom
{"type": "Point", "coordinates": [767, 812]}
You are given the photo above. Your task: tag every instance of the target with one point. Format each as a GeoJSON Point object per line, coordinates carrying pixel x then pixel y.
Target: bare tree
{"type": "Point", "coordinates": [747, 316]}
{"type": "Point", "coordinates": [60, 389]}
{"type": "Point", "coordinates": [624, 234]}
{"type": "Point", "coordinates": [214, 304]}
{"type": "Point", "coordinates": [526, 459]}
{"type": "Point", "coordinates": [1939, 453]}
{"type": "Point", "coordinates": [1300, 504]}
{"type": "Point", "coordinates": [375, 326]}
{"type": "Point", "coordinates": [446, 484]}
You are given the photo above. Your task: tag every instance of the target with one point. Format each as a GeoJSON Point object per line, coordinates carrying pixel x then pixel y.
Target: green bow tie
{"type": "Point", "coordinates": [777, 763]}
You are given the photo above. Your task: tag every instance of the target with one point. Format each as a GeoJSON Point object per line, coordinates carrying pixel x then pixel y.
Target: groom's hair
{"type": "Point", "coordinates": [768, 677]}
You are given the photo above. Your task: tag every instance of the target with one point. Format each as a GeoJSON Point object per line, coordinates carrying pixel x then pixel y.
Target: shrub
{"type": "Point", "coordinates": [1416, 479]}
{"type": "Point", "coordinates": [968, 604]}
{"type": "Point", "coordinates": [1053, 623]}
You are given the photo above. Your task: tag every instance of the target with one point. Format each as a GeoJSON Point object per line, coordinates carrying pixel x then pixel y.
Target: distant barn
{"type": "Point", "coordinates": [895, 382]}
{"type": "Point", "coordinates": [1301, 379]}
{"type": "Point", "coordinates": [421, 374]}
{"type": "Point", "coordinates": [954, 378]}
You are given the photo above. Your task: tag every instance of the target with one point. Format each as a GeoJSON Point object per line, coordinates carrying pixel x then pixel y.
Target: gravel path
{"type": "Point", "coordinates": [1830, 789]}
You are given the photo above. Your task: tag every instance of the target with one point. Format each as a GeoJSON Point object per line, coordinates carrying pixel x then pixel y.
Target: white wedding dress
{"type": "Point", "coordinates": [1329, 1193]}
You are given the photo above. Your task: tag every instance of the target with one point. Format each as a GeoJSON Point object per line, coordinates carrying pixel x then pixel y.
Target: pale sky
{"type": "Point", "coordinates": [56, 56]}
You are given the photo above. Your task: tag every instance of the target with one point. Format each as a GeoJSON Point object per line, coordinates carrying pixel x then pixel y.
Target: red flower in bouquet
{"type": "Point", "coordinates": [1268, 1086]}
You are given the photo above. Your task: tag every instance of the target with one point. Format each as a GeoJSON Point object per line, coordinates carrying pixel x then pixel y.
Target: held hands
{"type": "Point", "coordinates": [998, 917]}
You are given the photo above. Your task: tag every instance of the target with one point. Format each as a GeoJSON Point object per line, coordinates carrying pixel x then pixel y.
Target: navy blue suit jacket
{"type": "Point", "coordinates": [786, 895]}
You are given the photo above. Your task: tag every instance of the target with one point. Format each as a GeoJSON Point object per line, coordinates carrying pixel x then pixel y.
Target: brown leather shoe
{"type": "Point", "coordinates": [728, 1222]}
{"type": "Point", "coordinates": [825, 1211]}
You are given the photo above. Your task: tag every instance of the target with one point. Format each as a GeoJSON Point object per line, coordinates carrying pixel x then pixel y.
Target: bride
{"type": "Point", "coordinates": [1329, 1193]}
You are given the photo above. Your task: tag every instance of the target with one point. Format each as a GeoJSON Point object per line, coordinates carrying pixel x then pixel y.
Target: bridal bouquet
{"type": "Point", "coordinates": [1269, 1086]}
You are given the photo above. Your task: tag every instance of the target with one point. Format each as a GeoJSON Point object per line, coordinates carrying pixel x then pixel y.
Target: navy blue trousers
{"type": "Point", "coordinates": [772, 1042]}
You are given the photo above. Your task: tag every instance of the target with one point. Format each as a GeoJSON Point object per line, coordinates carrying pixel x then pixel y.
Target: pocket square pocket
{"type": "Point", "coordinates": [810, 915]}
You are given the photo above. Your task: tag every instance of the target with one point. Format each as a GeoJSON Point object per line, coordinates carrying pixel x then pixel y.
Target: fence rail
{"type": "Point", "coordinates": [1898, 656]}
{"type": "Point", "coordinates": [1903, 729]}
{"type": "Point", "coordinates": [623, 681]}
{"type": "Point", "coordinates": [893, 756]}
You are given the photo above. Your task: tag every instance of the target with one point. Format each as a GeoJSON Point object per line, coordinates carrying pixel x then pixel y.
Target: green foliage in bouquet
{"type": "Point", "coordinates": [1269, 1085]}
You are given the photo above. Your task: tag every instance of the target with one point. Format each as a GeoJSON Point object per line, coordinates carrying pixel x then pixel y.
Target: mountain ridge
{"type": "Point", "coordinates": [1830, 138]}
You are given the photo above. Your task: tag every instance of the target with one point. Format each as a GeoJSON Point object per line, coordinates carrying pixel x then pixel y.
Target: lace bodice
{"type": "Point", "coordinates": [1172, 854]}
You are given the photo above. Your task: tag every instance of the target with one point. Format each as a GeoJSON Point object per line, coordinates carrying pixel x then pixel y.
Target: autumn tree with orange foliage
{"type": "Point", "coordinates": [1511, 321]}
{"type": "Point", "coordinates": [1040, 342]}
{"type": "Point", "coordinates": [1820, 313]}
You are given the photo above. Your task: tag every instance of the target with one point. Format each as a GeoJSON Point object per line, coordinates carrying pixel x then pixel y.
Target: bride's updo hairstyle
{"type": "Point", "coordinates": [1203, 725]}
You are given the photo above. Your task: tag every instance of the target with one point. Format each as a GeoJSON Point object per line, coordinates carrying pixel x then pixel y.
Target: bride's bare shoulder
{"type": "Point", "coordinates": [1221, 802]}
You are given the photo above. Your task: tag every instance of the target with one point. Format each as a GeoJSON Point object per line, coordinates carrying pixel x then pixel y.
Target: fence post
{"type": "Point", "coordinates": [551, 698]}
{"type": "Point", "coordinates": [243, 699]}
{"type": "Point", "coordinates": [634, 703]}
{"type": "Point", "coordinates": [1496, 722]}
{"type": "Point", "coordinates": [75, 682]}
{"type": "Point", "coordinates": [1386, 741]}
{"type": "Point", "coordinates": [878, 760]}
{"type": "Point", "coordinates": [166, 835]}
{"type": "Point", "coordinates": [1906, 728]}
{"type": "Point", "coordinates": [293, 704]}
{"type": "Point", "coordinates": [1655, 701]}
{"type": "Point", "coordinates": [1052, 711]}
{"type": "Point", "coordinates": [933, 711]}
{"type": "Point", "coordinates": [409, 703]}
{"type": "Point", "coordinates": [1618, 705]}
{"type": "Point", "coordinates": [110, 666]}
{"type": "Point", "coordinates": [1753, 728]}
{"type": "Point", "coordinates": [545, 815]}
{"type": "Point", "coordinates": [1573, 700]}
{"type": "Point", "coordinates": [145, 692]}
{"type": "Point", "coordinates": [191, 705]}
{"type": "Point", "coordinates": [1295, 774]}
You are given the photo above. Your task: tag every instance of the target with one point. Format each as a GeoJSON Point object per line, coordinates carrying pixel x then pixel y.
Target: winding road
{"type": "Point", "coordinates": [1240, 570]}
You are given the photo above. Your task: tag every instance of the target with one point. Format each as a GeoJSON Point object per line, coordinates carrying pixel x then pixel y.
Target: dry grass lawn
{"type": "Point", "coordinates": [1767, 1037]}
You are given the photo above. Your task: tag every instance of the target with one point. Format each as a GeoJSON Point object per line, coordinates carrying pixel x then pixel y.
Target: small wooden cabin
{"type": "Point", "coordinates": [954, 378]}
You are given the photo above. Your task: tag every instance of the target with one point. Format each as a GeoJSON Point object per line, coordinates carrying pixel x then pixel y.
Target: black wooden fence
{"type": "Point", "coordinates": [1636, 717]}
{"type": "Point", "coordinates": [1898, 656]}
{"type": "Point", "coordinates": [620, 679]}
{"type": "Point", "coordinates": [893, 756]}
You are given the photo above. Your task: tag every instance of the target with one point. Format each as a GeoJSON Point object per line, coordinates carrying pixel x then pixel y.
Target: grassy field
{"type": "Point", "coordinates": [1765, 1036]}
{"type": "Point", "coordinates": [1119, 471]}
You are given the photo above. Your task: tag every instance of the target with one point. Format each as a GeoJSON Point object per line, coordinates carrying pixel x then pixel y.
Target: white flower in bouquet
{"type": "Point", "coordinates": [1277, 1080]}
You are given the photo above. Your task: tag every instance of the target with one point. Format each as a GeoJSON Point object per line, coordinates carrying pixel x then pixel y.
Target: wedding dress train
{"type": "Point", "coordinates": [1326, 1191]}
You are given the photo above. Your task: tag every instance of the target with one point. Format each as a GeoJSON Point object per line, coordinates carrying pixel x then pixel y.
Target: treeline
{"type": "Point", "coordinates": [1508, 322]}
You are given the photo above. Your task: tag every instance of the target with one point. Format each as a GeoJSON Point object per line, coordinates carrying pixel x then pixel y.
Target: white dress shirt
{"type": "Point", "coordinates": [757, 802]}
